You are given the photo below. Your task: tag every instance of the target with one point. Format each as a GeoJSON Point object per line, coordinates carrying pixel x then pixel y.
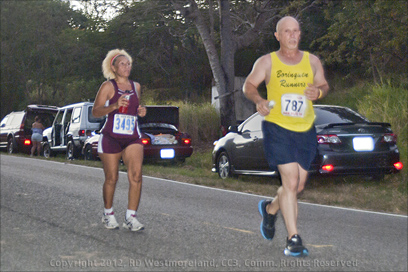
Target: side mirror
{"type": "Point", "coordinates": [233, 129]}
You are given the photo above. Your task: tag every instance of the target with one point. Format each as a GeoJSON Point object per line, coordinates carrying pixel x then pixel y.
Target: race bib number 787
{"type": "Point", "coordinates": [124, 124]}
{"type": "Point", "coordinates": [293, 105]}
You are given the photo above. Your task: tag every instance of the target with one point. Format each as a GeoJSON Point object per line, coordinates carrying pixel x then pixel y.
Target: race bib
{"type": "Point", "coordinates": [293, 105]}
{"type": "Point", "coordinates": [124, 124]}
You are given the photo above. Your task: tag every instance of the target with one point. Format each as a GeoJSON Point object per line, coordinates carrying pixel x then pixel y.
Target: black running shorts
{"type": "Point", "coordinates": [284, 146]}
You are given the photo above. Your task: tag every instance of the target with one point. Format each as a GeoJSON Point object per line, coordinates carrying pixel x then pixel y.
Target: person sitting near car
{"type": "Point", "coordinates": [37, 136]}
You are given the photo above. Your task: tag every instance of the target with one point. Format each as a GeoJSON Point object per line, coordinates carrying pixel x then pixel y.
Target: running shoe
{"type": "Point", "coordinates": [109, 221]}
{"type": "Point", "coordinates": [295, 248]}
{"type": "Point", "coordinates": [268, 220]}
{"type": "Point", "coordinates": [132, 224]}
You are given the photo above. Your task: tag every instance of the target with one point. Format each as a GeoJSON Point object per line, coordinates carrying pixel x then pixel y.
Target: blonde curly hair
{"type": "Point", "coordinates": [110, 60]}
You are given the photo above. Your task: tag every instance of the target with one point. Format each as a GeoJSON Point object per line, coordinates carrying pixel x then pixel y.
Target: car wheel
{"type": "Point", "coordinates": [224, 166]}
{"type": "Point", "coordinates": [88, 153]}
{"type": "Point", "coordinates": [47, 151]}
{"type": "Point", "coordinates": [11, 148]}
{"type": "Point", "coordinates": [71, 154]}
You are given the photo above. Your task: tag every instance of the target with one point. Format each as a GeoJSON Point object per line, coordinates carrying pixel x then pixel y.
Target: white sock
{"type": "Point", "coordinates": [106, 211]}
{"type": "Point", "coordinates": [130, 213]}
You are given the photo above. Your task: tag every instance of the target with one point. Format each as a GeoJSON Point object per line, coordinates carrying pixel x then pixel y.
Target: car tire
{"type": "Point", "coordinates": [224, 166]}
{"type": "Point", "coordinates": [11, 146]}
{"type": "Point", "coordinates": [88, 153]}
{"type": "Point", "coordinates": [47, 152]}
{"type": "Point", "coordinates": [71, 151]}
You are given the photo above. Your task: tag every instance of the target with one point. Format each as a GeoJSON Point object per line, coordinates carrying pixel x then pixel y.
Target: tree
{"type": "Point", "coordinates": [367, 37]}
{"type": "Point", "coordinates": [240, 23]}
{"type": "Point", "coordinates": [167, 53]}
{"type": "Point", "coordinates": [41, 51]}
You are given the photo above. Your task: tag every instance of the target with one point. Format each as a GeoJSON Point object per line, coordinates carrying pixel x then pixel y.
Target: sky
{"type": "Point", "coordinates": [76, 5]}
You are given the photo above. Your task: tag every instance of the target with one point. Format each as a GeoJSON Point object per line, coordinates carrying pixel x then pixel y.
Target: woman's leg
{"type": "Point", "coordinates": [110, 168]}
{"type": "Point", "coordinates": [133, 158]}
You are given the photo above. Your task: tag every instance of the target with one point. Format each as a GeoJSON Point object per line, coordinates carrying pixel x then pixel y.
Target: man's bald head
{"type": "Point", "coordinates": [283, 20]}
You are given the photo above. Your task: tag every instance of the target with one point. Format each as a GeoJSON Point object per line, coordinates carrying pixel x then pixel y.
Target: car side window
{"type": "Point", "coordinates": [93, 119]}
{"type": "Point", "coordinates": [16, 119]}
{"type": "Point", "coordinates": [253, 124]}
{"type": "Point", "coordinates": [4, 121]}
{"type": "Point", "coordinates": [76, 115]}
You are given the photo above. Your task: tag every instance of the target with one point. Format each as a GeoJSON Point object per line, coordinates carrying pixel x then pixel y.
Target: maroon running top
{"type": "Point", "coordinates": [123, 125]}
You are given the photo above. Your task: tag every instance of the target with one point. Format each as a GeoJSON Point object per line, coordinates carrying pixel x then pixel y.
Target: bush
{"type": "Point", "coordinates": [201, 121]}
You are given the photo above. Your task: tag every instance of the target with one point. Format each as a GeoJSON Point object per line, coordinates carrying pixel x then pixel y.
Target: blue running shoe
{"type": "Point", "coordinates": [295, 248]}
{"type": "Point", "coordinates": [268, 220]}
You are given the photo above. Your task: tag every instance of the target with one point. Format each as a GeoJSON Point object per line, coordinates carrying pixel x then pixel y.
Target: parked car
{"type": "Point", "coordinates": [347, 144]}
{"type": "Point", "coordinates": [15, 128]}
{"type": "Point", "coordinates": [69, 130]}
{"type": "Point", "coordinates": [161, 137]}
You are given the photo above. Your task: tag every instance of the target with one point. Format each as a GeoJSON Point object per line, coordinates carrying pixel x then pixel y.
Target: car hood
{"type": "Point", "coordinates": [161, 114]}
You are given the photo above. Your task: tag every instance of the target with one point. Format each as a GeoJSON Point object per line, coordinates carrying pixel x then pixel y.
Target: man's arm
{"type": "Point", "coordinates": [320, 87]}
{"type": "Point", "coordinates": [255, 78]}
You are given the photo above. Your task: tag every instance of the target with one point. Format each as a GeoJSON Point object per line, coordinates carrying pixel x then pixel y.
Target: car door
{"type": "Point", "coordinates": [3, 133]}
{"type": "Point", "coordinates": [249, 151]}
{"type": "Point", "coordinates": [56, 128]}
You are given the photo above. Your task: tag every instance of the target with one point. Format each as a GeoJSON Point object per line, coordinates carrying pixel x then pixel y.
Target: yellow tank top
{"type": "Point", "coordinates": [286, 87]}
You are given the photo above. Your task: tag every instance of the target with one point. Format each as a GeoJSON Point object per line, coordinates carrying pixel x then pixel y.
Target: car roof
{"type": "Point", "coordinates": [75, 105]}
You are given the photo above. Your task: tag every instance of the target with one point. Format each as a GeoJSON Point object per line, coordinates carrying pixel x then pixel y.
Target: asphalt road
{"type": "Point", "coordinates": [51, 212]}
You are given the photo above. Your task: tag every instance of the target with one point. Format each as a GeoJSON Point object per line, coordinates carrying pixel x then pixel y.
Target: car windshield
{"type": "Point", "coordinates": [327, 115]}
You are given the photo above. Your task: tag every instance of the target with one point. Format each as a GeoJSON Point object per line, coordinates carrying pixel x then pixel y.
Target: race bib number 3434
{"type": "Point", "coordinates": [293, 105]}
{"type": "Point", "coordinates": [124, 124]}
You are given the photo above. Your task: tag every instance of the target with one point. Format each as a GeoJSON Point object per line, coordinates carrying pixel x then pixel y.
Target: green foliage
{"type": "Point", "coordinates": [201, 121]}
{"type": "Point", "coordinates": [367, 37]}
{"type": "Point", "coordinates": [43, 49]}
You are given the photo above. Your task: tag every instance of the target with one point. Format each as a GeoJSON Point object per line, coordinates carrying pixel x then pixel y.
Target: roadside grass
{"type": "Point", "coordinates": [387, 195]}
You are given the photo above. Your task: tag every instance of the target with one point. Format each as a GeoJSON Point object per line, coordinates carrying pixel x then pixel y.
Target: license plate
{"type": "Point", "coordinates": [167, 153]}
{"type": "Point", "coordinates": [363, 144]}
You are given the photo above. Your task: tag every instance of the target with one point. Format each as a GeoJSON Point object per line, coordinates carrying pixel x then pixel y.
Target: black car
{"type": "Point", "coordinates": [15, 128]}
{"type": "Point", "coordinates": [348, 143]}
{"type": "Point", "coordinates": [161, 137]}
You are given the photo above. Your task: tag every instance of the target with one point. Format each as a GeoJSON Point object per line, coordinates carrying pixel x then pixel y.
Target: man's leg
{"type": "Point", "coordinates": [293, 182]}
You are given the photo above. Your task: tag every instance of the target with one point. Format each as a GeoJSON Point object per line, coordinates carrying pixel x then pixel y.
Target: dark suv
{"type": "Point", "coordinates": [15, 128]}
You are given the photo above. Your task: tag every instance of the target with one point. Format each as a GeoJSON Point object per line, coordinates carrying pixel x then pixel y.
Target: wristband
{"type": "Point", "coordinates": [320, 94]}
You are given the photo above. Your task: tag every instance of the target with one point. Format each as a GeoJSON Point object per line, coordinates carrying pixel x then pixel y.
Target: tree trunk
{"type": "Point", "coordinates": [228, 48]}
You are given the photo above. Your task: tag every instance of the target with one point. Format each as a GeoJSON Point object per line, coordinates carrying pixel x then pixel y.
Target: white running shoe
{"type": "Point", "coordinates": [132, 224]}
{"type": "Point", "coordinates": [109, 221]}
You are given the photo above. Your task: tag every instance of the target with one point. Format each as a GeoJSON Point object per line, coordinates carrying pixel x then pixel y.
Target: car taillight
{"type": "Point", "coordinates": [389, 138]}
{"type": "Point", "coordinates": [145, 141]}
{"type": "Point", "coordinates": [328, 139]}
{"type": "Point", "coordinates": [27, 142]}
{"type": "Point", "coordinates": [398, 165]}
{"type": "Point", "coordinates": [186, 141]}
{"type": "Point", "coordinates": [328, 167]}
{"type": "Point", "coordinates": [81, 132]}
